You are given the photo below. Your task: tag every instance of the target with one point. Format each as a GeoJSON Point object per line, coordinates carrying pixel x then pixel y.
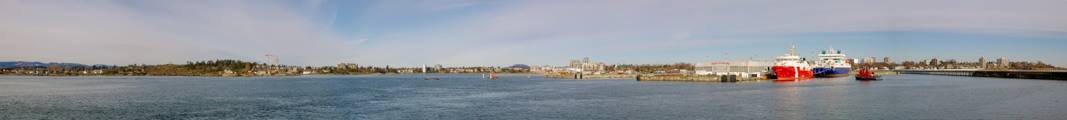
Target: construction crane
{"type": "Point", "coordinates": [272, 55]}
{"type": "Point", "coordinates": [20, 66]}
{"type": "Point", "coordinates": [275, 60]}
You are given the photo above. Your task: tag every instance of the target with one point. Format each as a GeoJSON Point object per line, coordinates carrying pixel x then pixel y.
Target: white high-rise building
{"type": "Point", "coordinates": [982, 62]}
{"type": "Point", "coordinates": [869, 60]}
{"type": "Point", "coordinates": [1004, 62]}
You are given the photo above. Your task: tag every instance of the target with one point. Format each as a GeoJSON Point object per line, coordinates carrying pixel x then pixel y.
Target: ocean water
{"type": "Point", "coordinates": [467, 96]}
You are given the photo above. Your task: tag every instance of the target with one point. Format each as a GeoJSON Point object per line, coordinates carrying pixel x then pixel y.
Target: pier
{"type": "Point", "coordinates": [696, 78]}
{"type": "Point", "coordinates": [1022, 74]}
{"type": "Point", "coordinates": [584, 76]}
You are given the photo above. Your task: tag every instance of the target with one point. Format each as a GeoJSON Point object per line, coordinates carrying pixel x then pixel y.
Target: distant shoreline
{"type": "Point", "coordinates": [263, 75]}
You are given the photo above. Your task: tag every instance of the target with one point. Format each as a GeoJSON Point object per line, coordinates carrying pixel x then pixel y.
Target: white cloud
{"type": "Point", "coordinates": [471, 32]}
{"type": "Point", "coordinates": [122, 32]}
{"type": "Point", "coordinates": [570, 28]}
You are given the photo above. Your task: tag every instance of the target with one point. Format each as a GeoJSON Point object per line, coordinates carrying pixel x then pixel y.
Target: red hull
{"type": "Point", "coordinates": [792, 72]}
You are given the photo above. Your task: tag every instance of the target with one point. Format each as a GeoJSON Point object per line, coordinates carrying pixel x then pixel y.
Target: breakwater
{"type": "Point", "coordinates": [1022, 74]}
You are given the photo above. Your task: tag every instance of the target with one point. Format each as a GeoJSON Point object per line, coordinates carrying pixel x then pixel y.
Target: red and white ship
{"type": "Point", "coordinates": [791, 66]}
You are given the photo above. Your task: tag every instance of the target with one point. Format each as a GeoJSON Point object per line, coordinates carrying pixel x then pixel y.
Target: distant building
{"type": "Point", "coordinates": [1003, 62]}
{"type": "Point", "coordinates": [592, 68]}
{"type": "Point", "coordinates": [575, 63]}
{"type": "Point", "coordinates": [536, 69]}
{"type": "Point", "coordinates": [935, 62]}
{"type": "Point", "coordinates": [347, 66]}
{"type": "Point", "coordinates": [423, 68]}
{"type": "Point", "coordinates": [981, 61]}
{"type": "Point", "coordinates": [886, 60]}
{"type": "Point", "coordinates": [585, 60]}
{"type": "Point", "coordinates": [438, 67]}
{"type": "Point", "coordinates": [743, 68]}
{"type": "Point", "coordinates": [869, 60]}
{"type": "Point", "coordinates": [925, 62]}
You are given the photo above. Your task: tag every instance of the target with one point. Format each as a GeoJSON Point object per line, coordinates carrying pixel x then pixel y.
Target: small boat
{"type": "Point", "coordinates": [436, 78]}
{"type": "Point", "coordinates": [868, 78]}
{"type": "Point", "coordinates": [867, 75]}
{"type": "Point", "coordinates": [425, 78]}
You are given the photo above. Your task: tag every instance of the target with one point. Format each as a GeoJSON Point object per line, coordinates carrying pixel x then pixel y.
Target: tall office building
{"type": "Point", "coordinates": [935, 61]}
{"type": "Point", "coordinates": [981, 61]}
{"type": "Point", "coordinates": [1004, 62]}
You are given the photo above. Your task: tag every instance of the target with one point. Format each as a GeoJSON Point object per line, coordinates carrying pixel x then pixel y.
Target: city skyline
{"type": "Point", "coordinates": [501, 33]}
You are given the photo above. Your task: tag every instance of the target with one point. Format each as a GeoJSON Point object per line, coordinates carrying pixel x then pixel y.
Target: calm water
{"type": "Point", "coordinates": [467, 96]}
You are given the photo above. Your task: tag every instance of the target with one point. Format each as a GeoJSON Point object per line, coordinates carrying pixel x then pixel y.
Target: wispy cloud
{"type": "Point", "coordinates": [558, 30]}
{"type": "Point", "coordinates": [119, 32]}
{"type": "Point", "coordinates": [465, 32]}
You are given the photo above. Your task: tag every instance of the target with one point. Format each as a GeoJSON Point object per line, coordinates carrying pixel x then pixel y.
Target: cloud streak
{"type": "Point", "coordinates": [468, 33]}
{"type": "Point", "coordinates": [123, 32]}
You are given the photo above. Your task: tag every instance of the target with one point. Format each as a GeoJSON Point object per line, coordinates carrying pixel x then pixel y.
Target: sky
{"type": "Point", "coordinates": [409, 33]}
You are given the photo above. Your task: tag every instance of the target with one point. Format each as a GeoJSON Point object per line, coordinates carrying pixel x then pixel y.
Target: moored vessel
{"type": "Point", "coordinates": [865, 74]}
{"type": "Point", "coordinates": [831, 64]}
{"type": "Point", "coordinates": [791, 66]}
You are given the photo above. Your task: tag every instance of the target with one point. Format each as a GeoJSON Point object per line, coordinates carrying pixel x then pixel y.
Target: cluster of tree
{"type": "Point", "coordinates": [363, 70]}
{"type": "Point", "coordinates": [1034, 66]}
{"type": "Point", "coordinates": [220, 65]}
{"type": "Point", "coordinates": [199, 68]}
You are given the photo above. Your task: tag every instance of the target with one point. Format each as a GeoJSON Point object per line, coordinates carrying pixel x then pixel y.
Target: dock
{"type": "Point", "coordinates": [695, 78]}
{"type": "Point", "coordinates": [685, 78]}
{"type": "Point", "coordinates": [584, 76]}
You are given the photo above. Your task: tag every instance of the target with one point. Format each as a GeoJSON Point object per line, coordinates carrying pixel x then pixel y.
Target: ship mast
{"type": "Point", "coordinates": [832, 49]}
{"type": "Point", "coordinates": [791, 49]}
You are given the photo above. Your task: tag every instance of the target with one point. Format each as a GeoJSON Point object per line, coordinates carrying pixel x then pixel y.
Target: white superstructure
{"type": "Point", "coordinates": [832, 59]}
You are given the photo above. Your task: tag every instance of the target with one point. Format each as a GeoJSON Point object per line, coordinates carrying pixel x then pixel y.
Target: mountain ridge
{"type": "Point", "coordinates": [36, 63]}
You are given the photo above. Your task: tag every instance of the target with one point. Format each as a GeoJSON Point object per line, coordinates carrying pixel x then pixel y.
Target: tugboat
{"type": "Point", "coordinates": [867, 75]}
{"type": "Point", "coordinates": [831, 64]}
{"type": "Point", "coordinates": [791, 66]}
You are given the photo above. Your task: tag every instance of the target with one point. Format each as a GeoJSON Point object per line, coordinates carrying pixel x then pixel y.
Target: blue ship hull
{"type": "Point", "coordinates": [828, 72]}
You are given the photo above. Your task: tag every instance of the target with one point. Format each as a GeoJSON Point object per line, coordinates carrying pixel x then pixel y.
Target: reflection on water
{"type": "Point", "coordinates": [467, 96]}
{"type": "Point", "coordinates": [788, 105]}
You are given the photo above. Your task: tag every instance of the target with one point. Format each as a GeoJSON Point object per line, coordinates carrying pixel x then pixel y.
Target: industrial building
{"type": "Point", "coordinates": [742, 68]}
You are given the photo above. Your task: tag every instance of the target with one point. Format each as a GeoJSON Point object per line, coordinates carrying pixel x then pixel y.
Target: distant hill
{"type": "Point", "coordinates": [523, 66]}
{"type": "Point", "coordinates": [12, 64]}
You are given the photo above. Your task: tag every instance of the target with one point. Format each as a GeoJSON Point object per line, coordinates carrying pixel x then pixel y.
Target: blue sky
{"type": "Point", "coordinates": [535, 32]}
